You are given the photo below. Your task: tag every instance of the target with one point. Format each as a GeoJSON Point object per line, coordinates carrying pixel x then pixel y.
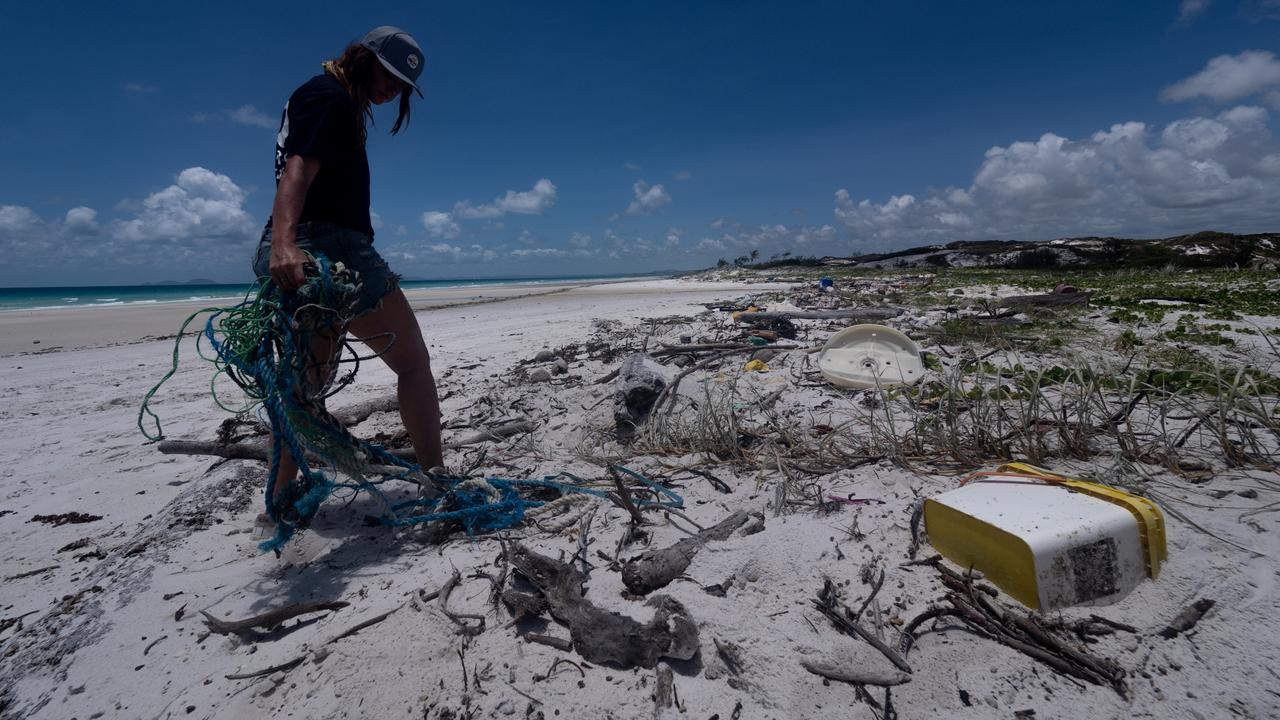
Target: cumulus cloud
{"type": "Point", "coordinates": [430, 256]}
{"type": "Point", "coordinates": [1229, 77]}
{"type": "Point", "coordinates": [539, 252]}
{"type": "Point", "coordinates": [647, 198]}
{"type": "Point", "coordinates": [1189, 9]}
{"type": "Point", "coordinates": [200, 204]}
{"type": "Point", "coordinates": [673, 237]}
{"type": "Point", "coordinates": [1195, 173]}
{"type": "Point", "coordinates": [250, 115]}
{"type": "Point", "coordinates": [579, 240]}
{"type": "Point", "coordinates": [441, 225]}
{"type": "Point", "coordinates": [16, 219]}
{"type": "Point", "coordinates": [530, 202]}
{"type": "Point", "coordinates": [81, 221]}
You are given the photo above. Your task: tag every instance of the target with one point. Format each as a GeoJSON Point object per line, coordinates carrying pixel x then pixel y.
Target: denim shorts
{"type": "Point", "coordinates": [352, 248]}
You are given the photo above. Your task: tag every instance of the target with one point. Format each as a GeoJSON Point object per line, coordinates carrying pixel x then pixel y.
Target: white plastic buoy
{"type": "Point", "coordinates": [868, 356]}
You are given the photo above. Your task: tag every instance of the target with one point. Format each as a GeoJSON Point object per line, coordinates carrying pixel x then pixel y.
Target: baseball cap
{"type": "Point", "coordinates": [398, 52]}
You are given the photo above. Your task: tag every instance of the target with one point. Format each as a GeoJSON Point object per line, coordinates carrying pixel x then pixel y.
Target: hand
{"type": "Point", "coordinates": [286, 264]}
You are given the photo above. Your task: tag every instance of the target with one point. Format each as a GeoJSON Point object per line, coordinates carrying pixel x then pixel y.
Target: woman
{"type": "Point", "coordinates": [322, 206]}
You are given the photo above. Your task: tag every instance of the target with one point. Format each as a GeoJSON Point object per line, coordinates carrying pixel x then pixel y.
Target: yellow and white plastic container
{"type": "Point", "coordinates": [1048, 540]}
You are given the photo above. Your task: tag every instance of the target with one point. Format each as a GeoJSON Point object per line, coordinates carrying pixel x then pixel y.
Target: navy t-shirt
{"type": "Point", "coordinates": [319, 122]}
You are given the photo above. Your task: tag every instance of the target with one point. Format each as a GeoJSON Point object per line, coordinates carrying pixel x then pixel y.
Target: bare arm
{"type": "Point", "coordinates": [291, 193]}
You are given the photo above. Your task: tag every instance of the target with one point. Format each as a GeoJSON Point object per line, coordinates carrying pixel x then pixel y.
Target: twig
{"type": "Point", "coordinates": [282, 667]}
{"type": "Point", "coordinates": [360, 626]}
{"type": "Point", "coordinates": [154, 643]}
{"type": "Point", "coordinates": [874, 590]}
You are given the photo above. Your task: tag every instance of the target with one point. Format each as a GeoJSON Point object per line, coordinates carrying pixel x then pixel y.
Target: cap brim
{"type": "Point", "coordinates": [399, 75]}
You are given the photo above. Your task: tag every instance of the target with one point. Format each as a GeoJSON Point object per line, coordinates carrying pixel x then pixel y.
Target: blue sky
{"type": "Point", "coordinates": [576, 138]}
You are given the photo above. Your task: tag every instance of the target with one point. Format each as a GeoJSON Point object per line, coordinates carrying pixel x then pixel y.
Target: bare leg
{"type": "Point", "coordinates": [393, 331]}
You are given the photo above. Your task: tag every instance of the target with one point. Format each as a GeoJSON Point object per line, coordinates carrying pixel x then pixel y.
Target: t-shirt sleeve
{"type": "Point", "coordinates": [321, 125]}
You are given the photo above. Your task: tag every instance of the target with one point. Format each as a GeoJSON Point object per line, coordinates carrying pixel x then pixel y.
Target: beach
{"type": "Point", "coordinates": [108, 606]}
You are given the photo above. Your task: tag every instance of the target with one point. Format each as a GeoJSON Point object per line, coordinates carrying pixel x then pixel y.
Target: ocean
{"type": "Point", "coordinates": [45, 298]}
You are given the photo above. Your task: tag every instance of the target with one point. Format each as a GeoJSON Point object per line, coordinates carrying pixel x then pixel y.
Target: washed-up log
{"type": "Point", "coordinates": [1187, 619]}
{"type": "Point", "coordinates": [601, 636]}
{"type": "Point", "coordinates": [358, 413]}
{"type": "Point", "coordinates": [262, 450]}
{"type": "Point", "coordinates": [1047, 300]}
{"type": "Point", "coordinates": [640, 380]}
{"type": "Point", "coordinates": [867, 314]}
{"type": "Point", "coordinates": [883, 677]}
{"type": "Point", "coordinates": [655, 569]}
{"type": "Point", "coordinates": [267, 620]}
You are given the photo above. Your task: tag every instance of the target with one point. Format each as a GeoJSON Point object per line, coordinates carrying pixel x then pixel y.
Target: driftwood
{"type": "Point", "coordinates": [267, 620]}
{"type": "Point", "coordinates": [250, 450]}
{"type": "Point", "coordinates": [601, 636]}
{"type": "Point", "coordinates": [1026, 633]}
{"type": "Point", "coordinates": [282, 667]}
{"type": "Point", "coordinates": [358, 413]}
{"type": "Point", "coordinates": [882, 677]}
{"type": "Point", "coordinates": [550, 641]}
{"type": "Point", "coordinates": [655, 569]}
{"type": "Point", "coordinates": [641, 380]}
{"type": "Point", "coordinates": [862, 314]}
{"type": "Point", "coordinates": [1187, 619]}
{"type": "Point", "coordinates": [1047, 300]}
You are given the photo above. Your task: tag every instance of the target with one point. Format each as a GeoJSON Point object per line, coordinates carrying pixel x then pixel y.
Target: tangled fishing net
{"type": "Point", "coordinates": [263, 345]}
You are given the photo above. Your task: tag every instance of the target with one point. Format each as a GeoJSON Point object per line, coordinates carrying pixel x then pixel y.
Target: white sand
{"type": "Point", "coordinates": [102, 638]}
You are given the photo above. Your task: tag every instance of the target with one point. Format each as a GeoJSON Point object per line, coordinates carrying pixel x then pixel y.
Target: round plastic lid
{"type": "Point", "coordinates": [868, 356]}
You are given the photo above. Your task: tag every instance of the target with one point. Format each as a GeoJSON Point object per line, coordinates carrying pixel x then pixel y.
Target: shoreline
{"type": "Point", "coordinates": [44, 331]}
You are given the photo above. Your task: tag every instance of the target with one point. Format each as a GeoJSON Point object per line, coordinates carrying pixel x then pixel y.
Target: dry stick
{"type": "Point", "coordinates": [531, 698]}
{"type": "Point", "coordinates": [154, 643]}
{"type": "Point", "coordinates": [282, 667]}
{"type": "Point", "coordinates": [623, 498]}
{"type": "Point", "coordinates": [852, 628]}
{"type": "Point", "coordinates": [1112, 623]}
{"type": "Point", "coordinates": [549, 640]}
{"type": "Point", "coordinates": [360, 626]}
{"type": "Point", "coordinates": [267, 619]}
{"type": "Point", "coordinates": [874, 590]}
{"type": "Point", "coordinates": [458, 618]}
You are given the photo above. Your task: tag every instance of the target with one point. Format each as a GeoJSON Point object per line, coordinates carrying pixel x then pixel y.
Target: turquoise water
{"type": "Point", "coordinates": [111, 295]}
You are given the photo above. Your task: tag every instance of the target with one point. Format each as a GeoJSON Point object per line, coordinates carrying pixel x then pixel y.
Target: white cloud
{"type": "Point", "coordinates": [250, 115]}
{"type": "Point", "coordinates": [15, 219]}
{"type": "Point", "coordinates": [1197, 173]}
{"type": "Point", "coordinates": [647, 199]}
{"type": "Point", "coordinates": [631, 167]}
{"type": "Point", "coordinates": [375, 220]}
{"type": "Point", "coordinates": [682, 175]}
{"type": "Point", "coordinates": [201, 204]}
{"type": "Point", "coordinates": [539, 252]}
{"type": "Point", "coordinates": [579, 240]}
{"type": "Point", "coordinates": [1228, 77]}
{"type": "Point", "coordinates": [441, 225]}
{"type": "Point", "coordinates": [530, 202]}
{"type": "Point", "coordinates": [673, 237]}
{"type": "Point", "coordinates": [1189, 9]}
{"type": "Point", "coordinates": [717, 223]}
{"type": "Point", "coordinates": [81, 221]}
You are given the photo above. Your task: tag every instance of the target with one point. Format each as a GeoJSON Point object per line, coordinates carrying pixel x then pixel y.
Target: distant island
{"type": "Point", "coordinates": [1206, 249]}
